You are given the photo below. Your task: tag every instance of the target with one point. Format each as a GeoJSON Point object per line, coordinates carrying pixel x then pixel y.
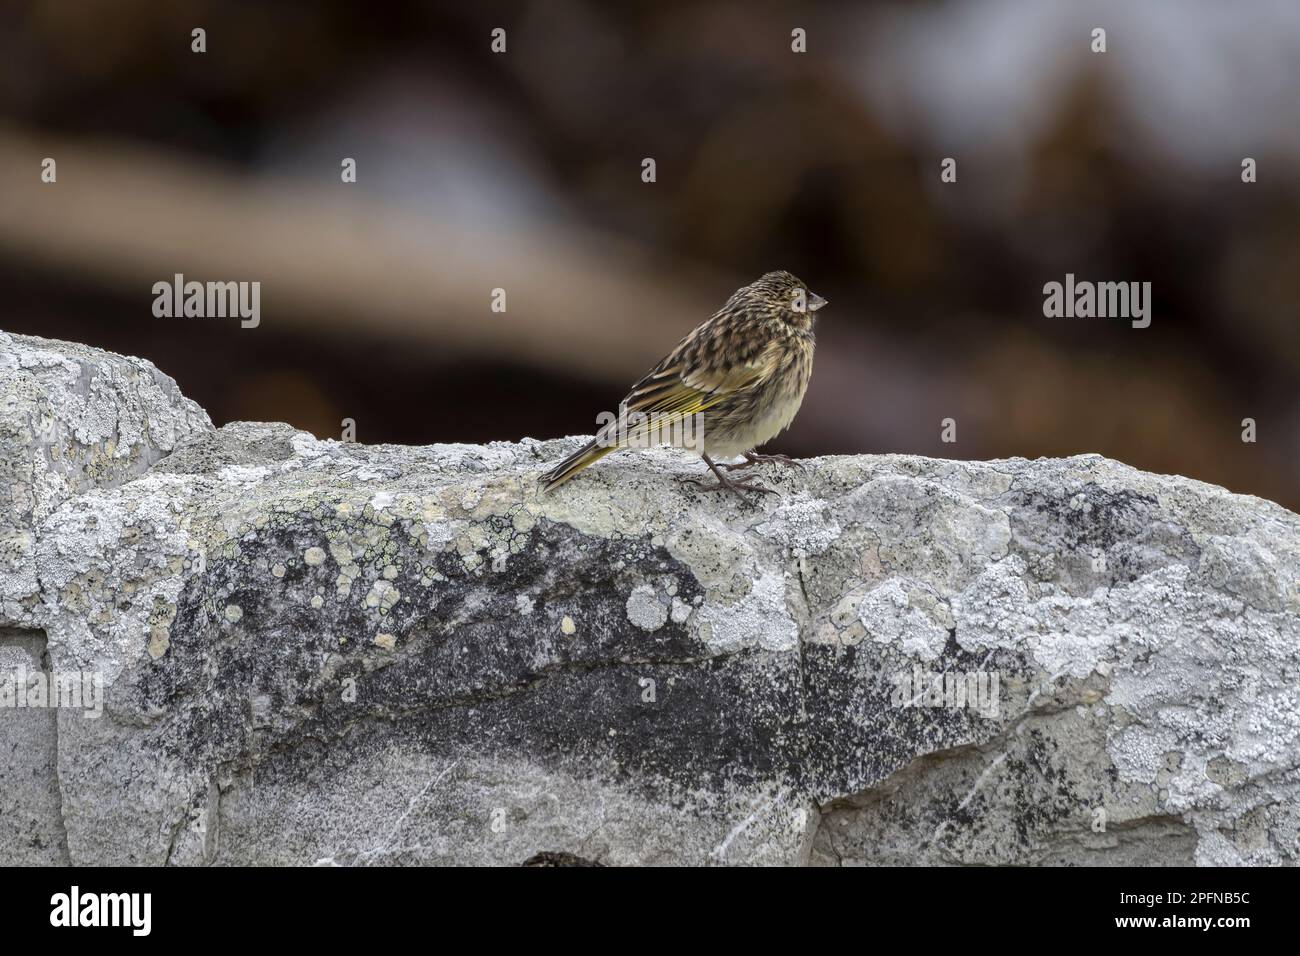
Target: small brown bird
{"type": "Point", "coordinates": [727, 388]}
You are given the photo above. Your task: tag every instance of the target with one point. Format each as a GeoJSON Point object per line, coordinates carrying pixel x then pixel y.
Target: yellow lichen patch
{"type": "Point", "coordinates": [386, 641]}
{"type": "Point", "coordinates": [430, 575]}
{"type": "Point", "coordinates": [347, 574]}
{"type": "Point", "coordinates": [159, 640]}
{"type": "Point", "coordinates": [853, 634]}
{"type": "Point", "coordinates": [523, 520]}
{"type": "Point", "coordinates": [473, 539]}
{"type": "Point", "coordinates": [383, 596]}
{"type": "Point", "coordinates": [567, 625]}
{"type": "Point", "coordinates": [340, 549]}
{"type": "Point", "coordinates": [494, 500]}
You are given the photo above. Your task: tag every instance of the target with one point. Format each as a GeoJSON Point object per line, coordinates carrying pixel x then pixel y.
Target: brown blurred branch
{"type": "Point", "coordinates": [329, 257]}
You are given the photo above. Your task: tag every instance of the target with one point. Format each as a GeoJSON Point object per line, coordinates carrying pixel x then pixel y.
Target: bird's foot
{"type": "Point", "coordinates": [723, 483]}
{"type": "Point", "coordinates": [753, 458]}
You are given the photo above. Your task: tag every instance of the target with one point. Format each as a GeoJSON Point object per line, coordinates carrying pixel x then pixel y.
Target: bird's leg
{"type": "Point", "coordinates": [754, 458]}
{"type": "Point", "coordinates": [724, 482]}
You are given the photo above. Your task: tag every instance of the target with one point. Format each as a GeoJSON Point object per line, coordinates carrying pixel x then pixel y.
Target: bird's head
{"type": "Point", "coordinates": [783, 296]}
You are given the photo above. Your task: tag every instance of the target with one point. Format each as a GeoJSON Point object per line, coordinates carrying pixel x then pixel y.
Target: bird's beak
{"type": "Point", "coordinates": [815, 302]}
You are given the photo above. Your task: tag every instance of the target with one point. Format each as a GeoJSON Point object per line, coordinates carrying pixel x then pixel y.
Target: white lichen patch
{"type": "Point", "coordinates": [681, 611]}
{"type": "Point", "coordinates": [436, 532]}
{"type": "Point", "coordinates": [803, 524]}
{"type": "Point", "coordinates": [1068, 634]}
{"type": "Point", "coordinates": [306, 445]}
{"type": "Point", "coordinates": [246, 475]}
{"type": "Point", "coordinates": [567, 625]}
{"type": "Point", "coordinates": [645, 610]}
{"type": "Point", "coordinates": [314, 556]}
{"type": "Point", "coordinates": [905, 613]}
{"type": "Point", "coordinates": [759, 619]}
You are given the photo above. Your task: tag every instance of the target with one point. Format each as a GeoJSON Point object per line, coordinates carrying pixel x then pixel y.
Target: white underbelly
{"type": "Point", "coordinates": [760, 431]}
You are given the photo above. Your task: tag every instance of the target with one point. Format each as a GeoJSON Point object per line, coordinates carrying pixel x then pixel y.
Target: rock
{"type": "Point", "coordinates": [325, 653]}
{"type": "Point", "coordinates": [31, 827]}
{"type": "Point", "coordinates": [72, 418]}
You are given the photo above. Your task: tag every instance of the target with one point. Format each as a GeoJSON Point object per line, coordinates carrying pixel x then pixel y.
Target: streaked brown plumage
{"type": "Point", "coordinates": [740, 377]}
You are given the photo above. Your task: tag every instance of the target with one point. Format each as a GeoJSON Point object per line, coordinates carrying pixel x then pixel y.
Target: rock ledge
{"type": "Point", "coordinates": [317, 652]}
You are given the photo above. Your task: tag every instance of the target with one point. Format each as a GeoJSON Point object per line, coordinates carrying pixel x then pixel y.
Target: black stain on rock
{"type": "Point", "coordinates": [480, 661]}
{"type": "Point", "coordinates": [1094, 536]}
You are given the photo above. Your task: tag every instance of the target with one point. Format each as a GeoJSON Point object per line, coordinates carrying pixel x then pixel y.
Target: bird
{"type": "Point", "coordinates": [724, 390]}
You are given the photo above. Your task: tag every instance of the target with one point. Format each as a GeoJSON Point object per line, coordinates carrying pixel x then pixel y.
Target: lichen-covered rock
{"type": "Point", "coordinates": [318, 652]}
{"type": "Point", "coordinates": [73, 418]}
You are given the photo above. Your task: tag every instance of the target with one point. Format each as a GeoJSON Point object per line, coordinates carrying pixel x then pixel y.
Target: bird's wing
{"type": "Point", "coordinates": [674, 389]}
{"type": "Point", "coordinates": [679, 387]}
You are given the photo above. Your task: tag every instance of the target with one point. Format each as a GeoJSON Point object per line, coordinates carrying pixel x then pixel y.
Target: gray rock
{"type": "Point", "coordinates": [31, 825]}
{"type": "Point", "coordinates": [73, 418]}
{"type": "Point", "coordinates": [325, 653]}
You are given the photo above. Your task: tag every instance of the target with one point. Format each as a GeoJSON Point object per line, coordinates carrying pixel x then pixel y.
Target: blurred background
{"type": "Point", "coordinates": [522, 171]}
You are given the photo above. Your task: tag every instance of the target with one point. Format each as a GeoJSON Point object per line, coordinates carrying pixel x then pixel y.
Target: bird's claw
{"type": "Point", "coordinates": [755, 459]}
{"type": "Point", "coordinates": [739, 487]}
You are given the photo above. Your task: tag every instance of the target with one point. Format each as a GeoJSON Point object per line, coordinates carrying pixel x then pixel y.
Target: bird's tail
{"type": "Point", "coordinates": [580, 459]}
